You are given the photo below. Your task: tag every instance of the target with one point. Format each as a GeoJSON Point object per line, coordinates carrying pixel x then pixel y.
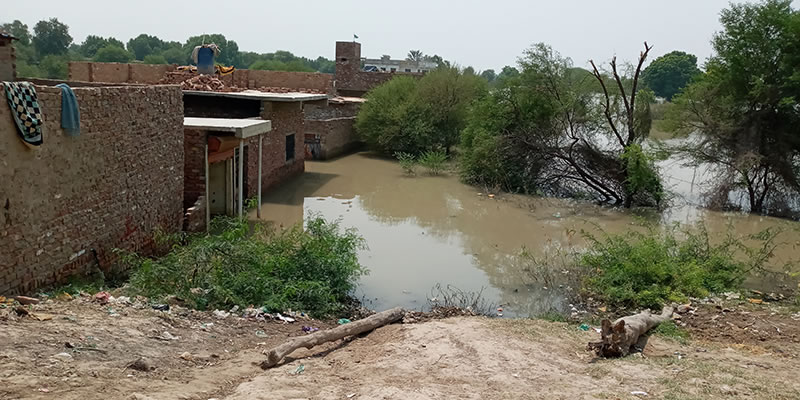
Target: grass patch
{"type": "Point", "coordinates": [669, 330]}
{"type": "Point", "coordinates": [77, 284]}
{"type": "Point", "coordinates": [552, 316]}
{"type": "Point", "coordinates": [312, 269]}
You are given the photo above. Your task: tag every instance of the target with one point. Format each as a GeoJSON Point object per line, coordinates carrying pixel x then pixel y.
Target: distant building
{"type": "Point", "coordinates": [386, 64]}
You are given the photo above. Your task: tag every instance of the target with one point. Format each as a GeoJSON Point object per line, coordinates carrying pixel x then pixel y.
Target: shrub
{"type": "Point", "coordinates": [650, 269]}
{"type": "Point", "coordinates": [433, 161]}
{"type": "Point", "coordinates": [113, 53]}
{"type": "Point", "coordinates": [312, 269]}
{"type": "Point", "coordinates": [417, 115]}
{"type": "Point", "coordinates": [155, 59]}
{"type": "Point", "coordinates": [407, 161]}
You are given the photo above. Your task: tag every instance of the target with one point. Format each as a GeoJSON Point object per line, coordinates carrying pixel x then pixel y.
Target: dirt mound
{"type": "Point", "coordinates": [82, 349]}
{"type": "Point", "coordinates": [742, 323]}
{"type": "Point", "coordinates": [204, 82]}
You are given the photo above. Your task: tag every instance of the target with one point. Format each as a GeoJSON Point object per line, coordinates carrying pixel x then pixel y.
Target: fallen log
{"type": "Point", "coordinates": [275, 355]}
{"type": "Point", "coordinates": [618, 338]}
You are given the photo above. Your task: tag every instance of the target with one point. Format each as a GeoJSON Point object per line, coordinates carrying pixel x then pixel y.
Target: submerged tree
{"type": "Point", "coordinates": [546, 130]}
{"type": "Point", "coordinates": [746, 109]}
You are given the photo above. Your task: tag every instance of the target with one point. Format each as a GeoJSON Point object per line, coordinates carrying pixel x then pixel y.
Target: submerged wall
{"type": "Point", "coordinates": [65, 205]}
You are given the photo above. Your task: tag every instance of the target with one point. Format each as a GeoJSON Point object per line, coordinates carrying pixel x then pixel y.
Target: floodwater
{"type": "Point", "coordinates": [427, 230]}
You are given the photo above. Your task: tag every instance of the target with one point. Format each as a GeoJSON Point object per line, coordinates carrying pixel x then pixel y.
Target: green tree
{"type": "Point", "coordinates": [415, 55]}
{"type": "Point", "coordinates": [275, 65]}
{"type": "Point", "coordinates": [229, 50]}
{"type": "Point", "coordinates": [507, 74]}
{"type": "Point", "coordinates": [51, 37]}
{"type": "Point", "coordinates": [144, 45]}
{"type": "Point", "coordinates": [175, 56]}
{"type": "Point", "coordinates": [546, 130]}
{"type": "Point", "coordinates": [112, 53]}
{"type": "Point", "coordinates": [93, 43]}
{"type": "Point", "coordinates": [155, 59]}
{"type": "Point", "coordinates": [489, 75]}
{"type": "Point", "coordinates": [670, 73]}
{"type": "Point", "coordinates": [414, 116]}
{"type": "Point", "coordinates": [19, 31]}
{"type": "Point", "coordinates": [54, 67]}
{"type": "Point", "coordinates": [746, 108]}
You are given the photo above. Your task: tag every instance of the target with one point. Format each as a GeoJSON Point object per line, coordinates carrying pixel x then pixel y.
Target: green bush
{"type": "Point", "coordinates": [312, 269]}
{"type": "Point", "coordinates": [113, 53]}
{"type": "Point", "coordinates": [650, 269]}
{"type": "Point", "coordinates": [154, 59]}
{"type": "Point", "coordinates": [433, 161]}
{"type": "Point", "coordinates": [417, 115]}
{"type": "Point", "coordinates": [407, 161]}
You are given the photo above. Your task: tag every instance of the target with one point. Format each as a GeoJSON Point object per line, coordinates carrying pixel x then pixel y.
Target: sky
{"type": "Point", "coordinates": [482, 34]}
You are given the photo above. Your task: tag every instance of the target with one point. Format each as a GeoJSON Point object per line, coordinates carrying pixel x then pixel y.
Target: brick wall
{"type": "Point", "coordinates": [243, 78]}
{"type": "Point", "coordinates": [350, 80]}
{"type": "Point", "coordinates": [118, 72]}
{"type": "Point", "coordinates": [287, 118]}
{"type": "Point", "coordinates": [331, 110]}
{"type": "Point", "coordinates": [67, 204]}
{"type": "Point", "coordinates": [335, 136]}
{"type": "Point", "coordinates": [254, 79]}
{"type": "Point", "coordinates": [194, 169]}
{"type": "Point", "coordinates": [8, 61]}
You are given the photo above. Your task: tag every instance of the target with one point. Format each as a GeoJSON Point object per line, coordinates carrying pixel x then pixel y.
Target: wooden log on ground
{"type": "Point", "coordinates": [275, 355]}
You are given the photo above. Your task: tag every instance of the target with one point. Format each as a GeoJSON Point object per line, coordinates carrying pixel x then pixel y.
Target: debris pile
{"type": "Point", "coordinates": [204, 82]}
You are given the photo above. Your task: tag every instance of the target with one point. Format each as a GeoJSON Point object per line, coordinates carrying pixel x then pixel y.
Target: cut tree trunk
{"type": "Point", "coordinates": [275, 355]}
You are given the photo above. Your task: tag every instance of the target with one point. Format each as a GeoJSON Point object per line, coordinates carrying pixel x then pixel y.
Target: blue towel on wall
{"type": "Point", "coordinates": [70, 113]}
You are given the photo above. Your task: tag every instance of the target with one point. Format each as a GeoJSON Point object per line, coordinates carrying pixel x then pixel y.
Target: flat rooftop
{"type": "Point", "coordinates": [258, 95]}
{"type": "Point", "coordinates": [241, 128]}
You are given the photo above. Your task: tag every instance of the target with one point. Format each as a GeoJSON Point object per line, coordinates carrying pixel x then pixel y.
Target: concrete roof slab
{"type": "Point", "coordinates": [241, 128]}
{"type": "Point", "coordinates": [259, 95]}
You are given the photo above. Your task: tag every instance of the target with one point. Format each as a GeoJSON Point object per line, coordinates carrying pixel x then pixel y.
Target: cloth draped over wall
{"type": "Point", "coordinates": [24, 105]}
{"type": "Point", "coordinates": [70, 113]}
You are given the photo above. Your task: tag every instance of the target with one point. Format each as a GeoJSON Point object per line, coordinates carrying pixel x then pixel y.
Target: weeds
{"type": "Point", "coordinates": [407, 162]}
{"type": "Point", "coordinates": [649, 269]}
{"type": "Point", "coordinates": [669, 330]}
{"type": "Point", "coordinates": [552, 316]}
{"type": "Point", "coordinates": [433, 161]}
{"type": "Point", "coordinates": [313, 270]}
{"type": "Point", "coordinates": [251, 203]}
{"type": "Point", "coordinates": [451, 296]}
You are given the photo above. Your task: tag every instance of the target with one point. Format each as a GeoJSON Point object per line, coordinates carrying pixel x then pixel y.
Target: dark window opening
{"type": "Point", "coordinates": [343, 59]}
{"type": "Point", "coordinates": [394, 69]}
{"type": "Point", "coordinates": [408, 69]}
{"type": "Point", "coordinates": [290, 147]}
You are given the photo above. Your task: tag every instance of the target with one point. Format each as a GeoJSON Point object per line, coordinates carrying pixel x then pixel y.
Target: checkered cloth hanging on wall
{"type": "Point", "coordinates": [25, 108]}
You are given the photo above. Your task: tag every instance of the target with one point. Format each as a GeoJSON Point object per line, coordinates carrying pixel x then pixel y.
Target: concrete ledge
{"type": "Point", "coordinates": [257, 95]}
{"type": "Point", "coordinates": [241, 128]}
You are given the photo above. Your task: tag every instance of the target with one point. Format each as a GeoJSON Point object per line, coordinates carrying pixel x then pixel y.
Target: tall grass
{"type": "Point", "coordinates": [312, 269]}
{"type": "Point", "coordinates": [433, 161]}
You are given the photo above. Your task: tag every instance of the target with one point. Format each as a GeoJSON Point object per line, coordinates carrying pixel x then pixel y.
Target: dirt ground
{"type": "Point", "coordinates": [458, 358]}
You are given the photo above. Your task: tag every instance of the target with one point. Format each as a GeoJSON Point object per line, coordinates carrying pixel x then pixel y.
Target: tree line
{"type": "Point", "coordinates": [549, 127]}
{"type": "Point", "coordinates": [45, 52]}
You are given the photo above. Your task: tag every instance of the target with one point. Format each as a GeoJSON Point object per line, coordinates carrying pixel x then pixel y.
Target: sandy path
{"type": "Point", "coordinates": [475, 358]}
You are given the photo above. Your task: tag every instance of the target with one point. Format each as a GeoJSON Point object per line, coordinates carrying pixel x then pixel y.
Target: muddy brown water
{"type": "Point", "coordinates": [427, 230]}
